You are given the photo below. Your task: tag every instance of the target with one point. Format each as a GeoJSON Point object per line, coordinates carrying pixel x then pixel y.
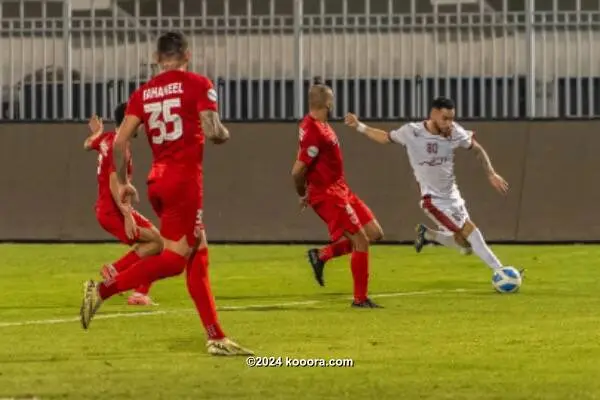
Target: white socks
{"type": "Point", "coordinates": [443, 238]}
{"type": "Point", "coordinates": [482, 250]}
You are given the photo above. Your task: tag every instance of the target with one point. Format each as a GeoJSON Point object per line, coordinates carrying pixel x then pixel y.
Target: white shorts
{"type": "Point", "coordinates": [449, 214]}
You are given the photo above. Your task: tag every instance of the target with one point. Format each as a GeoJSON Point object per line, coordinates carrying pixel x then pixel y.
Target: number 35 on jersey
{"type": "Point", "coordinates": [161, 114]}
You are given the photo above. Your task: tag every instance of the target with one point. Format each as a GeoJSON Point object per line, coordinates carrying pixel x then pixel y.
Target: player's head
{"type": "Point", "coordinates": [172, 51]}
{"type": "Point", "coordinates": [442, 114]}
{"type": "Point", "coordinates": [120, 116]}
{"type": "Point", "coordinates": [320, 98]}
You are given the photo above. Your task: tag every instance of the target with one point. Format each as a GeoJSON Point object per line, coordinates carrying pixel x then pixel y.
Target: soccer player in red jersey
{"type": "Point", "coordinates": [178, 109]}
{"type": "Point", "coordinates": [122, 222]}
{"type": "Point", "coordinates": [319, 179]}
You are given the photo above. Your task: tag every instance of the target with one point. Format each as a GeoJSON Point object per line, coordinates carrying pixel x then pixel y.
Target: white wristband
{"type": "Point", "coordinates": [362, 128]}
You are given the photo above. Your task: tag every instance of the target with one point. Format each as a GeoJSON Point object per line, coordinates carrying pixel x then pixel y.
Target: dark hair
{"type": "Point", "coordinates": [120, 113]}
{"type": "Point", "coordinates": [317, 80]}
{"type": "Point", "coordinates": [171, 44]}
{"type": "Point", "coordinates": [442, 102]}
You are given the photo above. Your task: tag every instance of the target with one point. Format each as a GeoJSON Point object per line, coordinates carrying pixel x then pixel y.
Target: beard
{"type": "Point", "coordinates": [329, 112]}
{"type": "Point", "coordinates": [443, 131]}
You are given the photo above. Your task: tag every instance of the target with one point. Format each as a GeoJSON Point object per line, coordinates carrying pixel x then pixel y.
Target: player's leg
{"type": "Point", "coordinates": [150, 243]}
{"type": "Point", "coordinates": [444, 237]}
{"type": "Point", "coordinates": [449, 215]}
{"type": "Point", "coordinates": [176, 205]}
{"type": "Point", "coordinates": [346, 222]}
{"type": "Point", "coordinates": [343, 246]}
{"type": "Point", "coordinates": [359, 265]}
{"type": "Point", "coordinates": [366, 219]}
{"type": "Point", "coordinates": [474, 236]}
{"type": "Point", "coordinates": [198, 285]}
{"type": "Point", "coordinates": [360, 255]}
{"type": "Point", "coordinates": [328, 211]}
{"type": "Point", "coordinates": [170, 262]}
{"type": "Point", "coordinates": [147, 243]}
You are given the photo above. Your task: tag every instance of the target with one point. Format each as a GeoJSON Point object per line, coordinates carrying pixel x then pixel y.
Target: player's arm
{"type": "Point", "coordinates": [483, 157]}
{"type": "Point", "coordinates": [308, 152]}
{"type": "Point", "coordinates": [114, 191]}
{"type": "Point", "coordinates": [126, 132]}
{"type": "Point", "coordinates": [299, 176]}
{"type": "Point", "coordinates": [96, 130]}
{"type": "Point", "coordinates": [496, 180]}
{"type": "Point", "coordinates": [212, 126]}
{"type": "Point", "coordinates": [210, 121]}
{"type": "Point", "coordinates": [376, 135]}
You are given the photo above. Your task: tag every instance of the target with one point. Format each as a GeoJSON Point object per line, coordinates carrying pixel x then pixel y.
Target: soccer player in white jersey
{"type": "Point", "coordinates": [430, 146]}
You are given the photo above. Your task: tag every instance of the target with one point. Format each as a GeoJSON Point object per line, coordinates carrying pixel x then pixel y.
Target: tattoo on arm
{"type": "Point", "coordinates": [483, 158]}
{"type": "Point", "coordinates": [212, 126]}
{"type": "Point", "coordinates": [120, 161]}
{"type": "Point", "coordinates": [300, 184]}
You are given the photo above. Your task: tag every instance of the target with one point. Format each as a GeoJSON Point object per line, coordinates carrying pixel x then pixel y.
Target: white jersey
{"type": "Point", "coordinates": [432, 156]}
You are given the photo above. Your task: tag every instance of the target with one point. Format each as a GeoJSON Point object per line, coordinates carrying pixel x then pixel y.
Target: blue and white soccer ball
{"type": "Point", "coordinates": [506, 280]}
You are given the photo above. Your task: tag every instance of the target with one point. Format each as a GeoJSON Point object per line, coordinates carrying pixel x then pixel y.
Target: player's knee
{"type": "Point", "coordinates": [460, 239]}
{"type": "Point", "coordinates": [180, 246]}
{"type": "Point", "coordinates": [467, 229]}
{"type": "Point", "coordinates": [156, 246]}
{"type": "Point", "coordinates": [377, 234]}
{"type": "Point", "coordinates": [201, 242]}
{"type": "Point", "coordinates": [374, 231]}
{"type": "Point", "coordinates": [360, 241]}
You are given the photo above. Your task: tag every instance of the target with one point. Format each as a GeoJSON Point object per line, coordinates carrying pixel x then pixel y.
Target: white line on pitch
{"type": "Point", "coordinates": [224, 308]}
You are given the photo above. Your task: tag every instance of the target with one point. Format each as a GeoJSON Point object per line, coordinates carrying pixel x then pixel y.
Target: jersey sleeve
{"type": "Point", "coordinates": [309, 147]}
{"type": "Point", "coordinates": [464, 137]}
{"type": "Point", "coordinates": [207, 94]}
{"type": "Point", "coordinates": [400, 135]}
{"type": "Point", "coordinates": [95, 145]}
{"type": "Point", "coordinates": [135, 105]}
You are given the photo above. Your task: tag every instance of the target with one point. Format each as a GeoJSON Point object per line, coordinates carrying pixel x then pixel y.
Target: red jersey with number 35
{"type": "Point", "coordinates": [103, 144]}
{"type": "Point", "coordinates": [320, 151]}
{"type": "Point", "coordinates": [169, 106]}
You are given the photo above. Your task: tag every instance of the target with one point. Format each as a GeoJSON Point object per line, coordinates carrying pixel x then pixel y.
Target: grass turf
{"type": "Point", "coordinates": [444, 333]}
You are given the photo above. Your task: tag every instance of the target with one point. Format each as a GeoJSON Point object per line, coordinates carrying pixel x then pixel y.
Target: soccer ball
{"type": "Point", "coordinates": [506, 280]}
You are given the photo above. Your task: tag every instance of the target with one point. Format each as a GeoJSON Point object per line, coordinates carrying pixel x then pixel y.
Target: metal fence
{"type": "Point", "coordinates": [384, 59]}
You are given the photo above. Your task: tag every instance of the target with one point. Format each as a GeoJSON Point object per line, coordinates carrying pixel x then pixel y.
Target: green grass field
{"type": "Point", "coordinates": [444, 333]}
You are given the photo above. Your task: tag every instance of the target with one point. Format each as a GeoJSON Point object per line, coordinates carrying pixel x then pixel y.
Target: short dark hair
{"type": "Point", "coordinates": [442, 102]}
{"type": "Point", "coordinates": [120, 113]}
{"type": "Point", "coordinates": [171, 44]}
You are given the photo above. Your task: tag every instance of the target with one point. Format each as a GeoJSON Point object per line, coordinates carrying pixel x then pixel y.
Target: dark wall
{"type": "Point", "coordinates": [48, 183]}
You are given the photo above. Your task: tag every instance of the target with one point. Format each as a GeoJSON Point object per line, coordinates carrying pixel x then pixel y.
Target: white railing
{"type": "Point", "coordinates": [495, 62]}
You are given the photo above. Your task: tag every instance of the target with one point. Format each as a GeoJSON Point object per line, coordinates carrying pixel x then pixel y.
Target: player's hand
{"type": "Point", "coordinates": [498, 183]}
{"type": "Point", "coordinates": [217, 140]}
{"type": "Point", "coordinates": [95, 124]}
{"type": "Point", "coordinates": [351, 120]}
{"type": "Point", "coordinates": [303, 203]}
{"type": "Point", "coordinates": [127, 193]}
{"type": "Point", "coordinates": [131, 228]}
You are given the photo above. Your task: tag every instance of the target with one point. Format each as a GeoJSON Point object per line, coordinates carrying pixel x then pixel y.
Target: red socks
{"type": "Point", "coordinates": [145, 271]}
{"type": "Point", "coordinates": [126, 261]}
{"type": "Point", "coordinates": [199, 288]}
{"type": "Point", "coordinates": [339, 248]}
{"type": "Point", "coordinates": [359, 264]}
{"type": "Point", "coordinates": [143, 289]}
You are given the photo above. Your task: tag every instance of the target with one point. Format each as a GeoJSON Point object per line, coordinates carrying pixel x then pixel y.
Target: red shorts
{"type": "Point", "coordinates": [343, 216]}
{"type": "Point", "coordinates": [112, 221]}
{"type": "Point", "coordinates": [178, 204]}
